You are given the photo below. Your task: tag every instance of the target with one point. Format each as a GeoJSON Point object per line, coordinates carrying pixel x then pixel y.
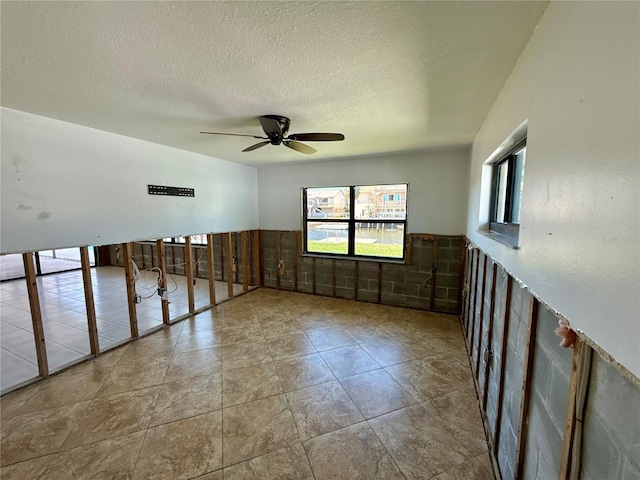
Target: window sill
{"type": "Point", "coordinates": [398, 261]}
{"type": "Point", "coordinates": [501, 238]}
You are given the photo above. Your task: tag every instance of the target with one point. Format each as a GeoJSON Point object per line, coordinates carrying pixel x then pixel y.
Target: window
{"type": "Point", "coordinates": [357, 221]}
{"type": "Point", "coordinates": [506, 193]}
{"type": "Point", "coordinates": [195, 239]}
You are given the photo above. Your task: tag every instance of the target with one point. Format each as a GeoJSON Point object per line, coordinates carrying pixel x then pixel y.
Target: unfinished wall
{"type": "Point", "coordinates": [612, 425]}
{"type": "Point", "coordinates": [409, 285]}
{"type": "Point", "coordinates": [66, 185]}
{"type": "Point", "coordinates": [577, 83]}
{"type": "Point", "coordinates": [145, 254]}
{"type": "Point", "coordinates": [529, 387]}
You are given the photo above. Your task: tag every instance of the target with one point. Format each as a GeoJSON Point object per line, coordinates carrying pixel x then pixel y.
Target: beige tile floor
{"type": "Point", "coordinates": [269, 385]}
{"type": "Point", "coordinates": [64, 318]}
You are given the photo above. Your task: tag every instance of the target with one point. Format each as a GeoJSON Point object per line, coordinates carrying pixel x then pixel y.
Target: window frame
{"type": "Point", "coordinates": [352, 221]}
{"type": "Point", "coordinates": [509, 228]}
{"type": "Point", "coordinates": [194, 242]}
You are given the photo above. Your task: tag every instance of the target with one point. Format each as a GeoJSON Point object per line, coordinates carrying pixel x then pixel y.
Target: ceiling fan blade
{"type": "Point", "coordinates": [317, 137]}
{"type": "Point", "coordinates": [271, 126]}
{"type": "Point", "coordinates": [256, 146]}
{"type": "Point", "coordinates": [299, 147]}
{"type": "Point", "coordinates": [233, 134]}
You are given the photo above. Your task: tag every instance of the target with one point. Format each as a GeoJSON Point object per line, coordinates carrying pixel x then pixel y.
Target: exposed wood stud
{"type": "Point", "coordinates": [434, 267]}
{"type": "Point", "coordinates": [162, 265]}
{"type": "Point", "coordinates": [313, 274]}
{"type": "Point", "coordinates": [463, 263]}
{"type": "Point", "coordinates": [481, 318]}
{"type": "Point", "coordinates": [261, 257]}
{"type": "Point", "coordinates": [571, 418]}
{"type": "Point", "coordinates": [467, 299]}
{"type": "Point", "coordinates": [245, 261]}
{"type": "Point", "coordinates": [408, 254]}
{"type": "Point", "coordinates": [278, 258]}
{"type": "Point", "coordinates": [36, 314]}
{"type": "Point", "coordinates": [188, 266]}
{"type": "Point", "coordinates": [333, 277]}
{"type": "Point", "coordinates": [474, 290]}
{"type": "Point", "coordinates": [223, 267]}
{"type": "Point", "coordinates": [296, 241]}
{"type": "Point", "coordinates": [229, 239]}
{"type": "Point", "coordinates": [356, 274]}
{"type": "Point", "coordinates": [526, 386]}
{"type": "Point", "coordinates": [586, 362]}
{"type": "Point", "coordinates": [131, 289]}
{"type": "Point", "coordinates": [492, 304]}
{"type": "Point", "coordinates": [211, 269]}
{"type": "Point", "coordinates": [235, 257]}
{"type": "Point", "coordinates": [88, 299]}
{"type": "Point", "coordinates": [503, 361]}
{"type": "Point", "coordinates": [379, 282]}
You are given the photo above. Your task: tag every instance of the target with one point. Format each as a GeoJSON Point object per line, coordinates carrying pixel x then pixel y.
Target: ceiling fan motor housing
{"type": "Point", "coordinates": [276, 137]}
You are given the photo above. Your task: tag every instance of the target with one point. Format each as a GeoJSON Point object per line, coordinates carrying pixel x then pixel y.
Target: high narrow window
{"type": "Point", "coordinates": [506, 198]}
{"type": "Point", "coordinates": [355, 221]}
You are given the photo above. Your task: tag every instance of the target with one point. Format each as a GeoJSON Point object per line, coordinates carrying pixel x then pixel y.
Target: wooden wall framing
{"type": "Point", "coordinates": [92, 325]}
{"type": "Point", "coordinates": [473, 327]}
{"type": "Point", "coordinates": [36, 314]}
{"type": "Point", "coordinates": [248, 241]}
{"type": "Point", "coordinates": [127, 250]}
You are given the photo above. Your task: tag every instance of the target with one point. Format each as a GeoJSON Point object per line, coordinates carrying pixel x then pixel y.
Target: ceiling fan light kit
{"type": "Point", "coordinates": [276, 128]}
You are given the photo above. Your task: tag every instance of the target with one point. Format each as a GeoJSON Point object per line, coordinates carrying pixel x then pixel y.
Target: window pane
{"type": "Point", "coordinates": [379, 239]}
{"type": "Point", "coordinates": [323, 237]}
{"type": "Point", "coordinates": [517, 185]}
{"type": "Point", "coordinates": [381, 202]}
{"type": "Point", "coordinates": [328, 202]}
{"type": "Point", "coordinates": [503, 175]}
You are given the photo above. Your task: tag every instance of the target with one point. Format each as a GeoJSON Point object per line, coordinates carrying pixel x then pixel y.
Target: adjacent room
{"type": "Point", "coordinates": [320, 240]}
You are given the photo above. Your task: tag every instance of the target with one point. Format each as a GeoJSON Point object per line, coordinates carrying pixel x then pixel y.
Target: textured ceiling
{"type": "Point", "coordinates": [390, 76]}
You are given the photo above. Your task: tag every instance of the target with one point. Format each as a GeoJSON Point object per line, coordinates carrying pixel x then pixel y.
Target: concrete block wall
{"type": "Point", "coordinates": [609, 445]}
{"type": "Point", "coordinates": [514, 369]}
{"type": "Point", "coordinates": [407, 285]}
{"type": "Point", "coordinates": [549, 400]}
{"type": "Point", "coordinates": [496, 353]}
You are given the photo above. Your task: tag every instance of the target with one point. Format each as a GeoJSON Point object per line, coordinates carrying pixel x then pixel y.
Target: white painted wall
{"type": "Point", "coordinates": [577, 82]}
{"type": "Point", "coordinates": [65, 185]}
{"type": "Point", "coordinates": [437, 187]}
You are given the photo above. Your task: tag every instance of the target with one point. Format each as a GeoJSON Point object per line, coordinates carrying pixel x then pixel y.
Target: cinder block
{"type": "Point", "coordinates": [411, 290]}
{"type": "Point", "coordinates": [543, 440]}
{"type": "Point", "coordinates": [443, 243]}
{"type": "Point", "coordinates": [446, 306]}
{"type": "Point", "coordinates": [324, 289]}
{"type": "Point", "coordinates": [393, 275]}
{"type": "Point", "coordinates": [417, 302]}
{"type": "Point", "coordinates": [452, 294]}
{"type": "Point", "coordinates": [368, 296]}
{"type": "Point", "coordinates": [397, 288]}
{"type": "Point", "coordinates": [450, 281]}
{"type": "Point", "coordinates": [392, 299]}
{"type": "Point", "coordinates": [441, 294]}
{"type": "Point", "coordinates": [344, 292]}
